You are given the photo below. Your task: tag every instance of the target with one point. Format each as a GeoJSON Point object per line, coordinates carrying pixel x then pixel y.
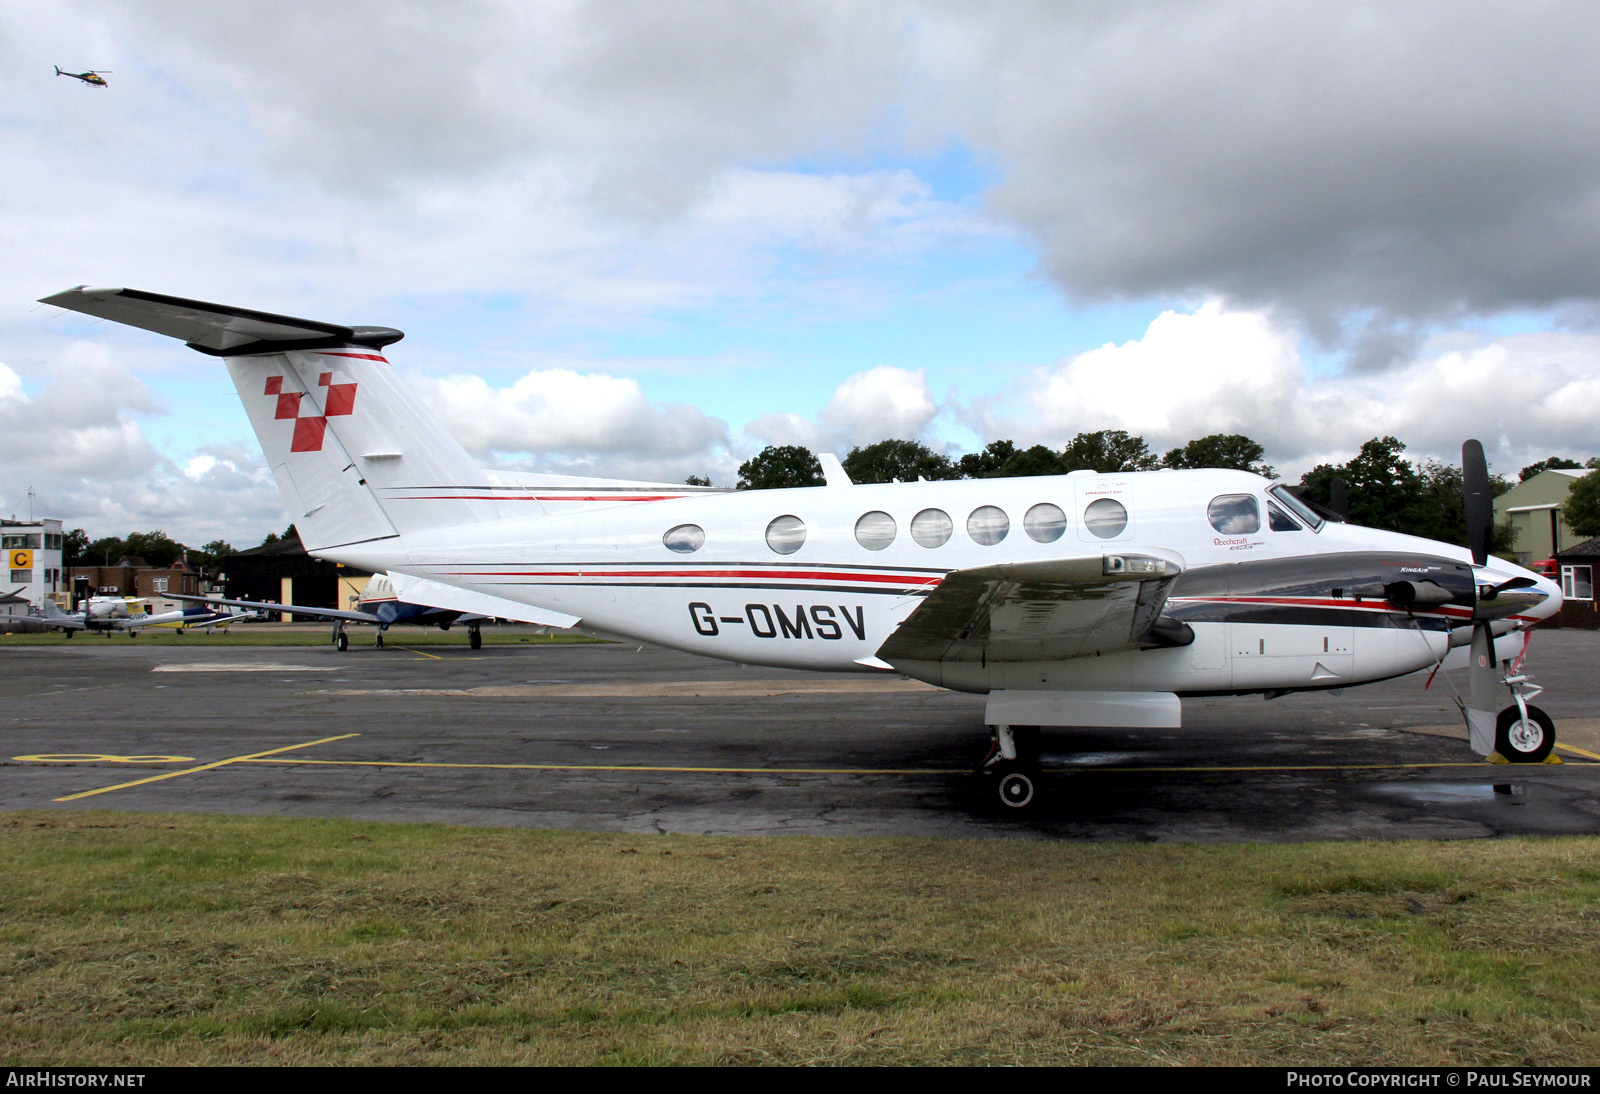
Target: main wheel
{"type": "Point", "coordinates": [475, 639]}
{"type": "Point", "coordinates": [1524, 740]}
{"type": "Point", "coordinates": [1017, 787]}
{"type": "Point", "coordinates": [343, 641]}
{"type": "Point", "coordinates": [379, 642]}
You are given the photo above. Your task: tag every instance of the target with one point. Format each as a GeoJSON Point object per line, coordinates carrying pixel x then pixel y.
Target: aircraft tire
{"type": "Point", "coordinates": [1524, 740]}
{"type": "Point", "coordinates": [1017, 788]}
{"type": "Point", "coordinates": [379, 642]}
{"type": "Point", "coordinates": [343, 641]}
{"type": "Point", "coordinates": [475, 639]}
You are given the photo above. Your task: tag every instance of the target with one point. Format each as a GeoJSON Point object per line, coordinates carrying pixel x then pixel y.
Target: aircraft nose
{"type": "Point", "coordinates": [1541, 595]}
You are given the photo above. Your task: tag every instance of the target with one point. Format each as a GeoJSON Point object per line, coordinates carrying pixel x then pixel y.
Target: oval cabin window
{"type": "Point", "coordinates": [988, 525]}
{"type": "Point", "coordinates": [1105, 518]}
{"type": "Point", "coordinates": [1044, 523]}
{"type": "Point", "coordinates": [685, 538]}
{"type": "Point", "coordinates": [875, 530]}
{"type": "Point", "coordinates": [785, 534]}
{"type": "Point", "coordinates": [932, 527]}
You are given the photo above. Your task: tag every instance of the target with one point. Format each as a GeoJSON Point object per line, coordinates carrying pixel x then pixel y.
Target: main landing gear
{"type": "Point", "coordinates": [474, 637]}
{"type": "Point", "coordinates": [1010, 773]}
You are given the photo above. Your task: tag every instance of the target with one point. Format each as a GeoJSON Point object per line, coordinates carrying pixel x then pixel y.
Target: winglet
{"type": "Point", "coordinates": [832, 470]}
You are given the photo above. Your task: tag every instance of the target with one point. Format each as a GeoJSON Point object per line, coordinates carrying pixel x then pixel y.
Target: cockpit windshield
{"type": "Point", "coordinates": [1299, 508]}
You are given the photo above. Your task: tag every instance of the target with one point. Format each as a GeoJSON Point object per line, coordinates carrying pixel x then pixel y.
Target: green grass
{"type": "Point", "coordinates": [269, 634]}
{"type": "Point", "coordinates": [181, 939]}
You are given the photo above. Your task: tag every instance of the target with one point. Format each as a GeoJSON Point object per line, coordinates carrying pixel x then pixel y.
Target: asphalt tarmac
{"type": "Point", "coordinates": [611, 738]}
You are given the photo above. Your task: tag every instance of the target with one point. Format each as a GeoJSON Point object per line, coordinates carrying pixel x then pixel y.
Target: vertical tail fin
{"type": "Point", "coordinates": [356, 456]}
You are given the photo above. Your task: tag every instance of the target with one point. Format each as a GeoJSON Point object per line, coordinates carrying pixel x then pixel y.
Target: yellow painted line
{"type": "Point", "coordinates": [202, 767]}
{"type": "Point", "coordinates": [419, 653]}
{"type": "Point", "coordinates": [626, 767]}
{"type": "Point", "coordinates": [1584, 752]}
{"type": "Point", "coordinates": [99, 758]}
{"type": "Point", "coordinates": [856, 770]}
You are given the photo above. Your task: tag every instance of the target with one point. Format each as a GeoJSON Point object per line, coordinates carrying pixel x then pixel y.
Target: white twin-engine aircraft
{"type": "Point", "coordinates": [1075, 600]}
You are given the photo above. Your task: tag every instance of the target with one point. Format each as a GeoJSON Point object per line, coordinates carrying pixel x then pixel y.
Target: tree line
{"type": "Point", "coordinates": [1384, 489]}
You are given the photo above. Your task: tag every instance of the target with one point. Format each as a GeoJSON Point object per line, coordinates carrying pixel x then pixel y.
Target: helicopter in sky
{"type": "Point", "coordinates": [93, 78]}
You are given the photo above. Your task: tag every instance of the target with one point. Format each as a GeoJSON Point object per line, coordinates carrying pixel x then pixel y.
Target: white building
{"type": "Point", "coordinates": [32, 556]}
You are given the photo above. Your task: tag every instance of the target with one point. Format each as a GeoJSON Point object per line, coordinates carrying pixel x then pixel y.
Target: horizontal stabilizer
{"type": "Point", "coordinates": [217, 329]}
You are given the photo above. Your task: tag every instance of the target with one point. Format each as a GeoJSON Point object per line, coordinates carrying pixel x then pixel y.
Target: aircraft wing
{"type": "Point", "coordinates": [295, 609]}
{"type": "Point", "coordinates": [419, 590]}
{"type": "Point", "coordinates": [1049, 610]}
{"type": "Point", "coordinates": [59, 619]}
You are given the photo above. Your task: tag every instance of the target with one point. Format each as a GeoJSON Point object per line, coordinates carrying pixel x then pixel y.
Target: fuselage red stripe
{"type": "Point", "coordinates": [1453, 611]}
{"type": "Point", "coordinates": [532, 497]}
{"type": "Point", "coordinates": [764, 575]}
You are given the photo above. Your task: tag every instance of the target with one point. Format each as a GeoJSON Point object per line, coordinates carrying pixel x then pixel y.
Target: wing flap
{"type": "Point", "coordinates": [1051, 610]}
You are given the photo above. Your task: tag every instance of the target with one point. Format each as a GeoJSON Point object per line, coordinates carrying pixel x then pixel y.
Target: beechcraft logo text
{"type": "Point", "coordinates": [309, 428]}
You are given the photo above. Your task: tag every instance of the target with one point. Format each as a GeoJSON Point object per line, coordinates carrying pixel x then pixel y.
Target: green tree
{"type": "Point", "coordinates": [1002, 459]}
{"type": "Point", "coordinates": [156, 548]}
{"type": "Point", "coordinates": [697, 480]}
{"type": "Point", "coordinates": [896, 461]}
{"type": "Point", "coordinates": [777, 467]}
{"type": "Point", "coordinates": [1232, 450]}
{"type": "Point", "coordinates": [1385, 490]}
{"type": "Point", "coordinates": [1582, 507]}
{"type": "Point", "coordinates": [1109, 451]}
{"type": "Point", "coordinates": [1442, 514]}
{"type": "Point", "coordinates": [988, 463]}
{"type": "Point", "coordinates": [75, 549]}
{"type": "Point", "coordinates": [211, 555]}
{"type": "Point", "coordinates": [1550, 463]}
{"type": "Point", "coordinates": [105, 551]}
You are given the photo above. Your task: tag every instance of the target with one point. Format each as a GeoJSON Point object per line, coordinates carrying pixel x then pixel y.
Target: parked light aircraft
{"type": "Point", "coordinates": [1074, 600]}
{"type": "Point", "coordinates": [106, 614]}
{"type": "Point", "coordinates": [383, 607]}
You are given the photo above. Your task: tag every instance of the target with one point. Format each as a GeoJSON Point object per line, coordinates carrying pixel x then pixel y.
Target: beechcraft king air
{"type": "Point", "coordinates": [1075, 600]}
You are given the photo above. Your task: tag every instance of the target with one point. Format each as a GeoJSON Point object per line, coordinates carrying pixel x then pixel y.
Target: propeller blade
{"type": "Point", "coordinates": [1339, 498]}
{"type": "Point", "coordinates": [1479, 502]}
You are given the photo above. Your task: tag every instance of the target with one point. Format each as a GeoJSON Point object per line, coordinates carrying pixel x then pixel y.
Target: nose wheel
{"type": "Point", "coordinates": [1524, 734]}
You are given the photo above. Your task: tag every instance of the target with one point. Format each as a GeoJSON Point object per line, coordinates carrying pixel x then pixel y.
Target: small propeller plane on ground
{"type": "Point", "coordinates": [1075, 600]}
{"type": "Point", "coordinates": [108, 614]}
{"type": "Point", "coordinates": [381, 606]}
{"type": "Point", "coordinates": [92, 77]}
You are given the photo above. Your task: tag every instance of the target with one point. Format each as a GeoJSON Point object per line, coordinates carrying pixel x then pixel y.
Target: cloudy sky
{"type": "Point", "coordinates": [645, 239]}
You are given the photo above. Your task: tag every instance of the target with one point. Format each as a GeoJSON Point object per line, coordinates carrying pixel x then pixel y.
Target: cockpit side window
{"type": "Point", "coordinates": [1299, 508]}
{"type": "Point", "coordinates": [1234, 514]}
{"type": "Point", "coordinates": [1279, 521]}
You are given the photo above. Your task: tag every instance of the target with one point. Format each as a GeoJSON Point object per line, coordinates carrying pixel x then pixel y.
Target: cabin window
{"type": "Point", "coordinates": [1044, 523]}
{"type": "Point", "coordinates": [785, 534]}
{"type": "Point", "coordinates": [875, 530]}
{"type": "Point", "coordinates": [1105, 517]}
{"type": "Point", "coordinates": [685, 538]}
{"type": "Point", "coordinates": [1577, 582]}
{"type": "Point", "coordinates": [988, 525]}
{"type": "Point", "coordinates": [1235, 514]}
{"type": "Point", "coordinates": [1279, 521]}
{"type": "Point", "coordinates": [932, 527]}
